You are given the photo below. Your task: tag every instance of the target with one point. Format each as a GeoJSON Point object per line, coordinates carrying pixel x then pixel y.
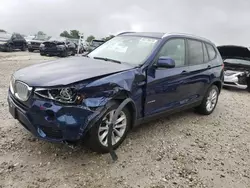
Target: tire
{"type": "Point", "coordinates": [203, 109]}
{"type": "Point", "coordinates": [248, 84]}
{"type": "Point", "coordinates": [64, 53]}
{"type": "Point", "coordinates": [9, 48]}
{"type": "Point", "coordinates": [94, 135]}
{"type": "Point", "coordinates": [31, 50]}
{"type": "Point", "coordinates": [42, 54]}
{"type": "Point", "coordinates": [24, 48]}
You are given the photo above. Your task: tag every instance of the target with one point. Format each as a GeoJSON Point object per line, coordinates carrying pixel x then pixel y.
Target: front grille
{"type": "Point", "coordinates": [35, 43]}
{"type": "Point", "coordinates": [49, 44]}
{"type": "Point", "coordinates": [52, 132]}
{"type": "Point", "coordinates": [22, 91]}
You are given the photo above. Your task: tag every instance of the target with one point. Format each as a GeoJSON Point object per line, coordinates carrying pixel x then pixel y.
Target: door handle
{"type": "Point", "coordinates": [209, 66]}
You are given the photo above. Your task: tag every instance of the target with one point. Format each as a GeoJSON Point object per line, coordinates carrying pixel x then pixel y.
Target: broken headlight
{"type": "Point", "coordinates": [64, 95]}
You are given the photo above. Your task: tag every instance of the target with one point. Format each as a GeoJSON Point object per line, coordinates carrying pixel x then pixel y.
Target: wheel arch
{"type": "Point", "coordinates": [130, 105]}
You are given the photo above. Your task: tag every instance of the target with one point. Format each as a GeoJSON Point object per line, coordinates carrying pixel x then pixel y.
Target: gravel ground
{"type": "Point", "coordinates": [183, 150]}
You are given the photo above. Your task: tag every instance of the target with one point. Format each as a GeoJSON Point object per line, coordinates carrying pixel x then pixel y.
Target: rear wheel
{"type": "Point", "coordinates": [209, 102]}
{"type": "Point", "coordinates": [24, 47]}
{"type": "Point", "coordinates": [30, 50]}
{"type": "Point", "coordinates": [64, 53]}
{"type": "Point", "coordinates": [98, 135]}
{"type": "Point", "coordinates": [42, 54]}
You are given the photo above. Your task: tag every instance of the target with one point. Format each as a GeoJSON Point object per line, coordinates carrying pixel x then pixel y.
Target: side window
{"type": "Point", "coordinates": [206, 58]}
{"type": "Point", "coordinates": [175, 49]}
{"type": "Point", "coordinates": [195, 52]}
{"type": "Point", "coordinates": [211, 51]}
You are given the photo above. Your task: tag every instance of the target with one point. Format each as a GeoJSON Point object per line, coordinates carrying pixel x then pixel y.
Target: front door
{"type": "Point", "coordinates": [167, 87]}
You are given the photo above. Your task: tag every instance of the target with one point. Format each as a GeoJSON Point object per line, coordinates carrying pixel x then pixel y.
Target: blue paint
{"type": "Point", "coordinates": [152, 90]}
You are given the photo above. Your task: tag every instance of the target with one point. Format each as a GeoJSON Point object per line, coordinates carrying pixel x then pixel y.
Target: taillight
{"type": "Point", "coordinates": [222, 65]}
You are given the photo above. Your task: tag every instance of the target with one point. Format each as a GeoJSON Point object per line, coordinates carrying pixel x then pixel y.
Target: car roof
{"type": "Point", "coordinates": [160, 35]}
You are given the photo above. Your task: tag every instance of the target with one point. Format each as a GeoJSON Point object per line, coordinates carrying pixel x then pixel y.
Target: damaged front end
{"type": "Point", "coordinates": [236, 66]}
{"type": "Point", "coordinates": [66, 113]}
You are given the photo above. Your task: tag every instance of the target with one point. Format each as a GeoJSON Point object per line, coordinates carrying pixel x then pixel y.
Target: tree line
{"type": "Point", "coordinates": [74, 34]}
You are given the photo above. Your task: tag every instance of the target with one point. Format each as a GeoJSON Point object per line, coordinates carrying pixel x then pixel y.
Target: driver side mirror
{"type": "Point", "coordinates": [165, 62]}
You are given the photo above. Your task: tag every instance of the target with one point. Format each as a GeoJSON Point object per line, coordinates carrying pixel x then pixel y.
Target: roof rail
{"type": "Point", "coordinates": [125, 33]}
{"type": "Point", "coordinates": [185, 34]}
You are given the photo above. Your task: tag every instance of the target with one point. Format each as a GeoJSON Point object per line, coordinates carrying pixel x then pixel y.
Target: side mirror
{"type": "Point", "coordinates": [165, 62]}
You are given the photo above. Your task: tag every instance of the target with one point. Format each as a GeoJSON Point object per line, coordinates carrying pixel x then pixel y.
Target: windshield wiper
{"type": "Point", "coordinates": [107, 59]}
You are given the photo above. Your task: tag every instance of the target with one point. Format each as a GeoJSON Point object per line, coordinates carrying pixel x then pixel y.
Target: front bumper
{"type": "Point", "coordinates": [33, 47]}
{"type": "Point", "coordinates": [233, 81]}
{"type": "Point", "coordinates": [50, 121]}
{"type": "Point", "coordinates": [52, 51]}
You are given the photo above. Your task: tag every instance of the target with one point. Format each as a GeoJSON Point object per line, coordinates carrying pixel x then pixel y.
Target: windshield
{"type": "Point", "coordinates": [60, 39]}
{"type": "Point", "coordinates": [129, 49]}
{"type": "Point", "coordinates": [96, 43]}
{"type": "Point", "coordinates": [5, 36]}
{"type": "Point", "coordinates": [237, 61]}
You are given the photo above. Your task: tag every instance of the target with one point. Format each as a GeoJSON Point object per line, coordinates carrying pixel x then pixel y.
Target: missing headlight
{"type": "Point", "coordinates": [64, 95]}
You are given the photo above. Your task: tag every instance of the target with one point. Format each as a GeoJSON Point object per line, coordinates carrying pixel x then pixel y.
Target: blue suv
{"type": "Point", "coordinates": [154, 73]}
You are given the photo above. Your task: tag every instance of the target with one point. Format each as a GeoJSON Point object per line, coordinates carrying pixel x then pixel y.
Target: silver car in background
{"type": "Point", "coordinates": [236, 66]}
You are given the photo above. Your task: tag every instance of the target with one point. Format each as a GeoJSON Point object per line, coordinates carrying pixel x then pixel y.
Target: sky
{"type": "Point", "coordinates": [223, 21]}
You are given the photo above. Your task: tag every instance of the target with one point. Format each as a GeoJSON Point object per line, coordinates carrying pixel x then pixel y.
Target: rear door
{"type": "Point", "coordinates": [199, 67]}
{"type": "Point", "coordinates": [166, 86]}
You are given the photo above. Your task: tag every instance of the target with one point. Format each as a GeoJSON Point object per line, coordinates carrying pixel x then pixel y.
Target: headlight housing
{"type": "Point", "coordinates": [29, 42]}
{"type": "Point", "coordinates": [12, 83]}
{"type": "Point", "coordinates": [63, 95]}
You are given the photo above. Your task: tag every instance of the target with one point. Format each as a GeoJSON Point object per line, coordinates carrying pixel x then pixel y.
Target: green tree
{"type": "Point", "coordinates": [75, 34]}
{"type": "Point", "coordinates": [40, 33]}
{"type": "Point", "coordinates": [65, 34]}
{"type": "Point", "coordinates": [90, 38]}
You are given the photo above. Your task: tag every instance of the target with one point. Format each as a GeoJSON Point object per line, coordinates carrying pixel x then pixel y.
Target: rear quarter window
{"type": "Point", "coordinates": [195, 52]}
{"type": "Point", "coordinates": [211, 51]}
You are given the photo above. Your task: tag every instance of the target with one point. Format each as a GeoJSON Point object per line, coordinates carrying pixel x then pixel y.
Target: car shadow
{"type": "Point", "coordinates": [233, 89]}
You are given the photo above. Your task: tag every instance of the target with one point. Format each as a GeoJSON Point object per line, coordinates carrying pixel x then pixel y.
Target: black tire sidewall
{"type": "Point", "coordinates": [93, 141]}
{"type": "Point", "coordinates": [202, 108]}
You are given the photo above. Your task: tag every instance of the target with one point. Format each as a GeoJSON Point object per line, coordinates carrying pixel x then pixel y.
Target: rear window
{"type": "Point", "coordinates": [195, 52]}
{"type": "Point", "coordinates": [211, 51]}
{"type": "Point", "coordinates": [206, 58]}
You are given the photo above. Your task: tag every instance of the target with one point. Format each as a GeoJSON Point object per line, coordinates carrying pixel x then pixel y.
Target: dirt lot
{"type": "Point", "coordinates": [183, 150]}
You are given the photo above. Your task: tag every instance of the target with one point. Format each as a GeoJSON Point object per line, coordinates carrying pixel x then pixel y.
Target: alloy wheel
{"type": "Point", "coordinates": [211, 100]}
{"type": "Point", "coordinates": [118, 131]}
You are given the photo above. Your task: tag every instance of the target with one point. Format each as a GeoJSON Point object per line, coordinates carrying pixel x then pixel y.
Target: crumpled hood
{"type": "Point", "coordinates": [66, 71]}
{"type": "Point", "coordinates": [234, 52]}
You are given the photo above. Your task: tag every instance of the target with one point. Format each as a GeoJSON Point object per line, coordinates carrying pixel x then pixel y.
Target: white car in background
{"type": "Point", "coordinates": [236, 66]}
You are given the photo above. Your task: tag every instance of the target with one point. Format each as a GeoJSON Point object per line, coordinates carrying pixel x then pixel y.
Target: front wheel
{"type": "Point", "coordinates": [64, 53]}
{"type": "Point", "coordinates": [98, 135]}
{"type": "Point", "coordinates": [248, 84]}
{"type": "Point", "coordinates": [209, 102]}
{"type": "Point", "coordinates": [24, 48]}
{"type": "Point", "coordinates": [30, 50]}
